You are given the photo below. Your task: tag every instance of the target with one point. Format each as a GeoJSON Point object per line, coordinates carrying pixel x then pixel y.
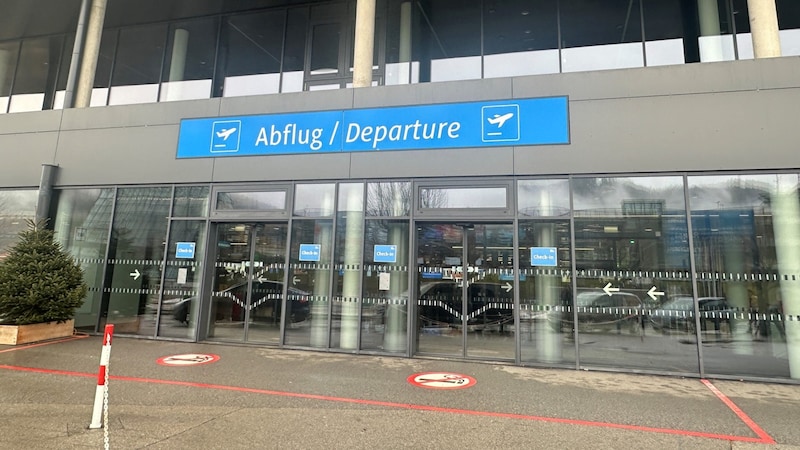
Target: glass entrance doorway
{"type": "Point", "coordinates": [247, 299]}
{"type": "Point", "coordinates": [465, 296]}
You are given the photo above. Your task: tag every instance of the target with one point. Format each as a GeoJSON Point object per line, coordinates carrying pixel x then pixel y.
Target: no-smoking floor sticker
{"type": "Point", "coordinates": [441, 380]}
{"type": "Point", "coordinates": [188, 359]}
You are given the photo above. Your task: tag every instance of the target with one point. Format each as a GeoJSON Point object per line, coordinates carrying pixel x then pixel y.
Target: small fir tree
{"type": "Point", "coordinates": [39, 281]}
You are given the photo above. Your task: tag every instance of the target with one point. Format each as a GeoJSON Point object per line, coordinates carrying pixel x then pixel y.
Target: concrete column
{"type": "Point", "coordinates": [177, 65]}
{"type": "Point", "coordinates": [91, 51]}
{"type": "Point", "coordinates": [764, 28]}
{"type": "Point", "coordinates": [786, 226]}
{"type": "Point", "coordinates": [77, 52]}
{"type": "Point", "coordinates": [364, 44]}
{"type": "Point", "coordinates": [45, 192]}
{"type": "Point", "coordinates": [405, 43]}
{"type": "Point", "coordinates": [708, 13]}
{"type": "Point", "coordinates": [354, 230]}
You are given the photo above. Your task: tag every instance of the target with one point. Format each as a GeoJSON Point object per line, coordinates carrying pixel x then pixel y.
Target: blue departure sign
{"type": "Point", "coordinates": [385, 254]}
{"type": "Point", "coordinates": [184, 250]}
{"type": "Point", "coordinates": [535, 121]}
{"type": "Point", "coordinates": [310, 252]}
{"type": "Point", "coordinates": [544, 256]}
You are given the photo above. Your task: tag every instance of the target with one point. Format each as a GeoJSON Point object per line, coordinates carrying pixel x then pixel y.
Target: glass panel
{"type": "Point", "coordinates": [16, 208]}
{"type": "Point", "coordinates": [463, 197]}
{"type": "Point", "coordinates": [182, 278]}
{"type": "Point", "coordinates": [449, 41]}
{"type": "Point", "coordinates": [251, 201]}
{"type": "Point", "coordinates": [82, 224]}
{"type": "Point", "coordinates": [105, 62]}
{"type": "Point", "coordinates": [440, 289]}
{"type": "Point", "coordinates": [715, 40]}
{"type": "Point", "coordinates": [253, 44]}
{"type": "Point", "coordinates": [666, 34]}
{"type": "Point", "coordinates": [136, 253]}
{"type": "Point", "coordinates": [189, 60]}
{"type": "Point", "coordinates": [490, 296]}
{"type": "Point", "coordinates": [312, 270]}
{"type": "Point", "coordinates": [543, 197]}
{"type": "Point", "coordinates": [314, 200]}
{"type": "Point", "coordinates": [789, 25]}
{"type": "Point", "coordinates": [545, 291]}
{"type": "Point", "coordinates": [325, 48]}
{"type": "Point", "coordinates": [600, 35]}
{"type": "Point", "coordinates": [137, 68]}
{"type": "Point", "coordinates": [295, 50]}
{"type": "Point", "coordinates": [190, 201]}
{"type": "Point", "coordinates": [632, 257]}
{"type": "Point", "coordinates": [231, 291]}
{"type": "Point", "coordinates": [8, 63]}
{"type": "Point", "coordinates": [384, 312]}
{"type": "Point", "coordinates": [520, 38]}
{"type": "Point", "coordinates": [391, 199]}
{"type": "Point", "coordinates": [746, 232]}
{"type": "Point", "coordinates": [37, 70]}
{"type": "Point", "coordinates": [347, 288]}
{"type": "Point", "coordinates": [266, 300]}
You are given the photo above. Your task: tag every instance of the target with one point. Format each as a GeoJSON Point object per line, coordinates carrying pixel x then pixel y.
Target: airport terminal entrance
{"type": "Point", "coordinates": [247, 284]}
{"type": "Point", "coordinates": [465, 297]}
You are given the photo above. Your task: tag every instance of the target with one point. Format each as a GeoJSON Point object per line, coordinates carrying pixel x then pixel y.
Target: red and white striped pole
{"type": "Point", "coordinates": [102, 379]}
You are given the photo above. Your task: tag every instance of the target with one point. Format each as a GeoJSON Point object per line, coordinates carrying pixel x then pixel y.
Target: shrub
{"type": "Point", "coordinates": [39, 281]}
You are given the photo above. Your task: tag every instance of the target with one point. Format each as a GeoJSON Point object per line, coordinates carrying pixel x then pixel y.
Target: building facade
{"type": "Point", "coordinates": [556, 183]}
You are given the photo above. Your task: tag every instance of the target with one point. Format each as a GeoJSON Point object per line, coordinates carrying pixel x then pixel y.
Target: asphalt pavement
{"type": "Point", "coordinates": [172, 395]}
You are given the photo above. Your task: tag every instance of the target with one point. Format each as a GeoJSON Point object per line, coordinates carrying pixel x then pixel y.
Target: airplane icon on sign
{"type": "Point", "coordinates": [500, 120]}
{"type": "Point", "coordinates": [226, 133]}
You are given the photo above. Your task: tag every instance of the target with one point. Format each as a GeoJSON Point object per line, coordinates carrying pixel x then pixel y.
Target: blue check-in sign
{"type": "Point", "coordinates": [310, 252]}
{"type": "Point", "coordinates": [544, 256]}
{"type": "Point", "coordinates": [185, 250]}
{"type": "Point", "coordinates": [385, 254]}
{"type": "Point", "coordinates": [531, 121]}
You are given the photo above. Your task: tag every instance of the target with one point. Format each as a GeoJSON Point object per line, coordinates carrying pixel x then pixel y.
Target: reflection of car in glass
{"type": "Point", "coordinates": [266, 297]}
{"type": "Point", "coordinates": [597, 309]}
{"type": "Point", "coordinates": [677, 313]}
{"type": "Point", "coordinates": [490, 305]}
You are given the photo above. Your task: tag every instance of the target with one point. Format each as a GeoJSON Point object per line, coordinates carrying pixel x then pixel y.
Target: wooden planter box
{"type": "Point", "coordinates": [24, 334]}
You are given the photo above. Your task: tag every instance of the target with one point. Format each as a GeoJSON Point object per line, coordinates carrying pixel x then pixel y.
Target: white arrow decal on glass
{"type": "Point", "coordinates": [135, 274]}
{"type": "Point", "coordinates": [608, 289]}
{"type": "Point", "coordinates": [653, 293]}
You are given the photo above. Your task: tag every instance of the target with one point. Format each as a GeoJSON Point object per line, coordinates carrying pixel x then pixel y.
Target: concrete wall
{"type": "Point", "coordinates": [712, 116]}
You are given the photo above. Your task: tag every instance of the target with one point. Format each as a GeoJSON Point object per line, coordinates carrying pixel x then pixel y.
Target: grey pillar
{"type": "Point", "coordinates": [365, 43]}
{"type": "Point", "coordinates": [91, 51]}
{"type": "Point", "coordinates": [708, 12]}
{"type": "Point", "coordinates": [45, 192]}
{"type": "Point", "coordinates": [764, 28]}
{"type": "Point", "coordinates": [77, 51]}
{"type": "Point", "coordinates": [405, 43]}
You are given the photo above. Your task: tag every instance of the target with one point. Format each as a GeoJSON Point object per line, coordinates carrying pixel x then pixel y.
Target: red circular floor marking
{"type": "Point", "coordinates": [187, 359]}
{"type": "Point", "coordinates": [441, 380]}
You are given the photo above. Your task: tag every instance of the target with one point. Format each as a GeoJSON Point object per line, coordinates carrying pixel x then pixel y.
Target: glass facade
{"type": "Point", "coordinates": [685, 274]}
{"type": "Point", "coordinates": [16, 208]}
{"type": "Point", "coordinates": [290, 48]}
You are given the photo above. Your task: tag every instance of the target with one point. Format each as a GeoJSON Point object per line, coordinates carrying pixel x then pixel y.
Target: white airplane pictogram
{"type": "Point", "coordinates": [226, 133]}
{"type": "Point", "coordinates": [500, 120]}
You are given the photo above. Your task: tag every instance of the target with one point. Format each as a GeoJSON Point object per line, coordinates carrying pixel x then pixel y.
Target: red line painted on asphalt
{"type": "Point", "coordinates": [25, 347]}
{"type": "Point", "coordinates": [766, 438]}
{"type": "Point", "coordinates": [763, 439]}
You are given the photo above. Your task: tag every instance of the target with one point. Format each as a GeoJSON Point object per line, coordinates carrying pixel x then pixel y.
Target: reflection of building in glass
{"type": "Point", "coordinates": [671, 200]}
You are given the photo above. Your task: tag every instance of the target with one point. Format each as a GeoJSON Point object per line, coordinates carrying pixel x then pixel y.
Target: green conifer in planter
{"type": "Point", "coordinates": [39, 281]}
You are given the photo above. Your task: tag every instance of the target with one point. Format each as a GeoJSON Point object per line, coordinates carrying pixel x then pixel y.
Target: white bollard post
{"type": "Point", "coordinates": [102, 379]}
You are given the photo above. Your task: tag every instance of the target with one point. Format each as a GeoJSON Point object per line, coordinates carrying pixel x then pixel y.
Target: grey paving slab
{"type": "Point", "coordinates": [271, 398]}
